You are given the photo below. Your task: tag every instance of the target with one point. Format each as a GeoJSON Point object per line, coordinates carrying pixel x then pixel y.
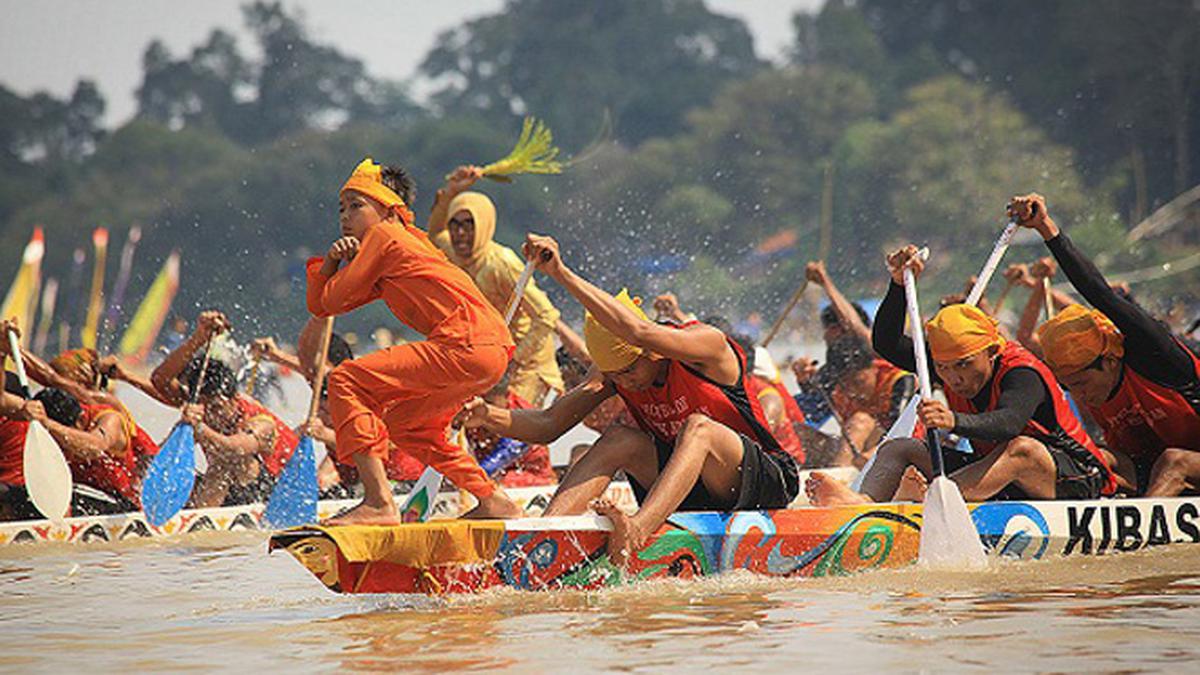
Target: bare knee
{"type": "Point", "coordinates": [617, 448]}
{"type": "Point", "coordinates": [1025, 448]}
{"type": "Point", "coordinates": [697, 428]}
{"type": "Point", "coordinates": [900, 449]}
{"type": "Point", "coordinates": [1175, 459]}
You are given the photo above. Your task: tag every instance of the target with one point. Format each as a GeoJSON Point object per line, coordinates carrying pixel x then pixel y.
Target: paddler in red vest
{"type": "Point", "coordinates": [1140, 383]}
{"type": "Point", "coordinates": [702, 442]}
{"type": "Point", "coordinates": [868, 395]}
{"type": "Point", "coordinates": [244, 444]}
{"type": "Point", "coordinates": [1027, 442]}
{"type": "Point", "coordinates": [15, 413]}
{"type": "Point", "coordinates": [409, 393]}
{"type": "Point", "coordinates": [98, 443]}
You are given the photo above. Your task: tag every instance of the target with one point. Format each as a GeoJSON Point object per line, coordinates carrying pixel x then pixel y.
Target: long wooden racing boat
{"type": "Point", "coordinates": [131, 526]}
{"type": "Point", "coordinates": [552, 553]}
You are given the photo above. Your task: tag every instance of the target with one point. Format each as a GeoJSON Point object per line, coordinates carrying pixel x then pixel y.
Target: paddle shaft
{"type": "Point", "coordinates": [14, 345]}
{"type": "Point", "coordinates": [784, 314]}
{"type": "Point", "coordinates": [993, 261]}
{"type": "Point", "coordinates": [919, 354]}
{"type": "Point", "coordinates": [1048, 294]}
{"type": "Point", "coordinates": [318, 373]}
{"type": "Point", "coordinates": [519, 289]}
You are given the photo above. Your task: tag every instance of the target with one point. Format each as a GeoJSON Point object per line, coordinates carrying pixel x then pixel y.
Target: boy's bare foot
{"type": "Point", "coordinates": [367, 514]}
{"type": "Point", "coordinates": [497, 506]}
{"type": "Point", "coordinates": [626, 538]}
{"type": "Point", "coordinates": [825, 490]}
{"type": "Point", "coordinates": [912, 486]}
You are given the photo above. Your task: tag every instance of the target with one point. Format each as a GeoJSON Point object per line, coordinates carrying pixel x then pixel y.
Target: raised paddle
{"type": "Point", "coordinates": [993, 261]}
{"type": "Point", "coordinates": [293, 501]}
{"type": "Point", "coordinates": [948, 537]}
{"type": "Point", "coordinates": [784, 314]}
{"type": "Point", "coordinates": [47, 475]}
{"type": "Point", "coordinates": [172, 473]}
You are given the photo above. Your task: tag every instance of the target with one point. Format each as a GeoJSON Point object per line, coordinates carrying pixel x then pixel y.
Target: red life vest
{"type": "Point", "coordinates": [662, 410]}
{"type": "Point", "coordinates": [116, 475]}
{"type": "Point", "coordinates": [283, 440]}
{"type": "Point", "coordinates": [1144, 418]}
{"type": "Point", "coordinates": [1068, 433]}
{"type": "Point", "coordinates": [879, 405]}
{"type": "Point", "coordinates": [786, 434]}
{"type": "Point", "coordinates": [12, 451]}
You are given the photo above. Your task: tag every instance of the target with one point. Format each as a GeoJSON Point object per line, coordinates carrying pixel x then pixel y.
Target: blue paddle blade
{"type": "Point", "coordinates": [294, 500]}
{"type": "Point", "coordinates": [169, 479]}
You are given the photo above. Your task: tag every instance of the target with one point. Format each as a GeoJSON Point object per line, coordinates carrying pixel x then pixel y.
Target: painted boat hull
{"type": "Point", "coordinates": [554, 553]}
{"type": "Point", "coordinates": [133, 526]}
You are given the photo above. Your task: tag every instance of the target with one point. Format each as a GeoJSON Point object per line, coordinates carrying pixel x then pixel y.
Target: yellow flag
{"type": "Point", "coordinates": [87, 337]}
{"type": "Point", "coordinates": [21, 300]}
{"type": "Point", "coordinates": [143, 329]}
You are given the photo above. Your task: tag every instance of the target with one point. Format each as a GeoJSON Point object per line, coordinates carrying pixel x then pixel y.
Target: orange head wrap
{"type": "Point", "coordinates": [959, 331]}
{"type": "Point", "coordinates": [78, 365]}
{"type": "Point", "coordinates": [1076, 337]}
{"type": "Point", "coordinates": [610, 352]}
{"type": "Point", "coordinates": [368, 179]}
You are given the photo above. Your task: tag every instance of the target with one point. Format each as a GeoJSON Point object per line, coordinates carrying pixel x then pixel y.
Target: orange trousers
{"type": "Point", "coordinates": [409, 394]}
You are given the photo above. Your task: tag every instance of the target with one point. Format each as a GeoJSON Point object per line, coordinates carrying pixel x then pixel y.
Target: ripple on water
{"type": "Point", "coordinates": [220, 602]}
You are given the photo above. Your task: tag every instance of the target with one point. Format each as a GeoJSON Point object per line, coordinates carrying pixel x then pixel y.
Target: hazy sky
{"type": "Point", "coordinates": [49, 44]}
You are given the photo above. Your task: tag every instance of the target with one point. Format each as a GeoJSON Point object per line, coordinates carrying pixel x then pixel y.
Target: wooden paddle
{"type": "Point", "coordinates": [784, 314]}
{"type": "Point", "coordinates": [1048, 294]}
{"type": "Point", "coordinates": [172, 474]}
{"type": "Point", "coordinates": [47, 475]}
{"type": "Point", "coordinates": [293, 500]}
{"type": "Point", "coordinates": [948, 536]}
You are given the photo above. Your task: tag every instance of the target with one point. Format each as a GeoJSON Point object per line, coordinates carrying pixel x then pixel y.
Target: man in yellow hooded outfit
{"type": "Point", "coordinates": [463, 225]}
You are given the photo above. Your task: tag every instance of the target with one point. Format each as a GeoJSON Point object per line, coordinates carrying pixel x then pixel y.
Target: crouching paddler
{"type": "Point", "coordinates": [1027, 441]}
{"type": "Point", "coordinates": [701, 442]}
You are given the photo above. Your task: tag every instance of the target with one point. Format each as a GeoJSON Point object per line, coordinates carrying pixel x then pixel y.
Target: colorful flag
{"type": "Point", "coordinates": [49, 300]}
{"type": "Point", "coordinates": [87, 336]}
{"type": "Point", "coordinates": [21, 300]}
{"type": "Point", "coordinates": [143, 329]}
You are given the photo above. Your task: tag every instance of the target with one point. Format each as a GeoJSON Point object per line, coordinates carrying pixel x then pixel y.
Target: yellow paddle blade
{"type": "Point", "coordinates": [47, 476]}
{"type": "Point", "coordinates": [534, 153]}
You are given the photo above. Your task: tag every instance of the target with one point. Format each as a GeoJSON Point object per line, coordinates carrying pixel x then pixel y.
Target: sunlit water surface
{"type": "Point", "coordinates": [219, 601]}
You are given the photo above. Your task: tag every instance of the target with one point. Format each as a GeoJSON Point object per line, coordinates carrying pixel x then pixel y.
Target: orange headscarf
{"type": "Point", "coordinates": [78, 365]}
{"type": "Point", "coordinates": [610, 352]}
{"type": "Point", "coordinates": [959, 331]}
{"type": "Point", "coordinates": [368, 179]}
{"type": "Point", "coordinates": [1076, 337]}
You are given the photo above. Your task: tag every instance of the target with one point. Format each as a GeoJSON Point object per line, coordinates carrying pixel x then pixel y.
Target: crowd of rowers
{"type": "Point", "coordinates": [692, 413]}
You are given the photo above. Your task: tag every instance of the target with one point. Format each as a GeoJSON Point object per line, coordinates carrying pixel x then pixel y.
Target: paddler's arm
{"type": "Point", "coordinates": [264, 348]}
{"type": "Point", "coordinates": [1021, 392]}
{"type": "Point", "coordinates": [700, 345]}
{"type": "Point", "coordinates": [1149, 347]}
{"type": "Point", "coordinates": [456, 183]}
{"type": "Point", "coordinates": [165, 377]}
{"type": "Point", "coordinates": [112, 368]}
{"type": "Point", "coordinates": [308, 344]}
{"type": "Point", "coordinates": [887, 335]}
{"type": "Point", "coordinates": [16, 408]}
{"type": "Point", "coordinates": [847, 315]}
{"type": "Point", "coordinates": [253, 439]}
{"type": "Point", "coordinates": [538, 426]}
{"type": "Point", "coordinates": [572, 342]}
{"type": "Point", "coordinates": [106, 437]}
{"type": "Point", "coordinates": [39, 371]}
{"type": "Point", "coordinates": [332, 291]}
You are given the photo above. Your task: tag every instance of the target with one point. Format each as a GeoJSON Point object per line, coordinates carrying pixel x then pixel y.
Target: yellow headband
{"type": "Point", "coordinates": [959, 331]}
{"type": "Point", "coordinates": [79, 365]}
{"type": "Point", "coordinates": [1076, 337]}
{"type": "Point", "coordinates": [610, 352]}
{"type": "Point", "coordinates": [368, 180]}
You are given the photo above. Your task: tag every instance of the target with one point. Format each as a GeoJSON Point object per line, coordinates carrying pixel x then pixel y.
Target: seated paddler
{"type": "Point", "coordinates": [1027, 442]}
{"type": "Point", "coordinates": [701, 441]}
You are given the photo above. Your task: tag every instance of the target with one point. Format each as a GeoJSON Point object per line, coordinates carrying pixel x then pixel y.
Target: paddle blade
{"type": "Point", "coordinates": [419, 505]}
{"type": "Point", "coordinates": [171, 475]}
{"type": "Point", "coordinates": [294, 500]}
{"type": "Point", "coordinates": [47, 476]}
{"type": "Point", "coordinates": [948, 535]}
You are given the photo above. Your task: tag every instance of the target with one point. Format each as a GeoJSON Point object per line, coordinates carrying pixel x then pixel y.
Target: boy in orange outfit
{"type": "Point", "coordinates": [411, 392]}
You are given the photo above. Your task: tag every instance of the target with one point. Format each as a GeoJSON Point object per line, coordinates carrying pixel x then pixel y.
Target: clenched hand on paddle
{"type": "Point", "coordinates": [948, 537]}
{"type": "Point", "coordinates": [47, 475]}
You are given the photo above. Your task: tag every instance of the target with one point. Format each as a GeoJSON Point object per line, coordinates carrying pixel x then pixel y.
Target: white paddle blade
{"type": "Point", "coordinates": [518, 292]}
{"type": "Point", "coordinates": [47, 476]}
{"type": "Point", "coordinates": [419, 504]}
{"type": "Point", "coordinates": [949, 539]}
{"type": "Point", "coordinates": [903, 427]}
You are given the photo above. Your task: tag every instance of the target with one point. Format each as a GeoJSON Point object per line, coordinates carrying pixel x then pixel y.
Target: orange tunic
{"type": "Point", "coordinates": [409, 393]}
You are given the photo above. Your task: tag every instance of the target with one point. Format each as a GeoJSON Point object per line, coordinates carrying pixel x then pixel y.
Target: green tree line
{"type": "Point", "coordinates": [915, 119]}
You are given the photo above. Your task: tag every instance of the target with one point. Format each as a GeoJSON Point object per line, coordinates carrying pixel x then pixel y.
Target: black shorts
{"type": "Point", "coordinates": [770, 480]}
{"type": "Point", "coordinates": [1073, 479]}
